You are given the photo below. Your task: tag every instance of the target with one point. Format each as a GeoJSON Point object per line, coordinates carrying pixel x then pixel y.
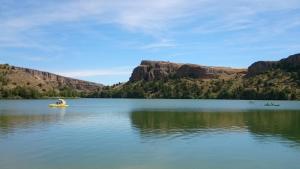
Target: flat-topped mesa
{"type": "Point", "coordinates": [160, 70]}
{"type": "Point", "coordinates": [291, 63]}
{"type": "Point", "coordinates": [154, 70]}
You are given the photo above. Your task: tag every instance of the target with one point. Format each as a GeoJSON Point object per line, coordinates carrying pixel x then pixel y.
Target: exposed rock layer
{"type": "Point", "coordinates": [159, 70]}
{"type": "Point", "coordinates": [290, 63]}
{"type": "Point", "coordinates": [45, 81]}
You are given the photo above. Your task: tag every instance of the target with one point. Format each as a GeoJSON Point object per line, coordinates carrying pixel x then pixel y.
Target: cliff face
{"type": "Point", "coordinates": [43, 81]}
{"type": "Point", "coordinates": [192, 71]}
{"type": "Point", "coordinates": [159, 70]}
{"type": "Point", "coordinates": [291, 63]}
{"type": "Point", "coordinates": [260, 67]}
{"type": "Point", "coordinates": [154, 70]}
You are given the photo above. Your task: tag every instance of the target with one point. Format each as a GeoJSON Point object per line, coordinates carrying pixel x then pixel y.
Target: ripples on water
{"type": "Point", "coordinates": [124, 133]}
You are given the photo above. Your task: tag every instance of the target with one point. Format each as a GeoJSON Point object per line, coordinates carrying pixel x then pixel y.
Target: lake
{"type": "Point", "coordinates": [149, 134]}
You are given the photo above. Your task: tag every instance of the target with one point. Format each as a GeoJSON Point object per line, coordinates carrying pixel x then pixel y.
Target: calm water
{"type": "Point", "coordinates": [149, 134]}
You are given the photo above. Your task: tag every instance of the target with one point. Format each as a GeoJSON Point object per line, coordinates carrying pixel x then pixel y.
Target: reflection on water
{"type": "Point", "coordinates": [10, 121]}
{"type": "Point", "coordinates": [149, 134]}
{"type": "Point", "coordinates": [275, 123]}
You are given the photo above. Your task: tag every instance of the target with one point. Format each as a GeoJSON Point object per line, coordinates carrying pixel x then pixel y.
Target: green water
{"type": "Point", "coordinates": [149, 134]}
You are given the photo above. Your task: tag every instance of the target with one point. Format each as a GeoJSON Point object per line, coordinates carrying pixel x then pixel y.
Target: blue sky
{"type": "Point", "coordinates": [102, 41]}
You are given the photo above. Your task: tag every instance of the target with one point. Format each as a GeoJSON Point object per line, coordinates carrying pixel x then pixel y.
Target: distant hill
{"type": "Point", "coordinates": [28, 83]}
{"type": "Point", "coordinates": [272, 80]}
{"type": "Point", "coordinates": [159, 70]}
{"type": "Point", "coordinates": [276, 80]}
{"type": "Point", "coordinates": [290, 64]}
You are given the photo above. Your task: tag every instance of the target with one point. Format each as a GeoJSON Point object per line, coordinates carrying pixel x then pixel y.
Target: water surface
{"type": "Point", "coordinates": [149, 134]}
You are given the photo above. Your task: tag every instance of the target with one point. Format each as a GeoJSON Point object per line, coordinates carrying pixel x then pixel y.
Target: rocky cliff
{"type": "Point", "coordinates": [291, 63]}
{"type": "Point", "coordinates": [42, 81]}
{"type": "Point", "coordinates": [160, 70]}
{"type": "Point", "coordinates": [154, 70]}
{"type": "Point", "coordinates": [158, 79]}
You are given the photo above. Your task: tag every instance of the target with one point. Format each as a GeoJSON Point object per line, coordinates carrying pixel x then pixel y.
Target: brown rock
{"type": "Point", "coordinates": [159, 70]}
{"type": "Point", "coordinates": [47, 81]}
{"type": "Point", "coordinates": [193, 71]}
{"type": "Point", "coordinates": [260, 67]}
{"type": "Point", "coordinates": [291, 63]}
{"type": "Point", "coordinates": [154, 70]}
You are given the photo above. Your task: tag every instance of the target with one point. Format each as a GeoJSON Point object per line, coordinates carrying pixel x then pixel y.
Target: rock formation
{"type": "Point", "coordinates": [160, 70]}
{"type": "Point", "coordinates": [290, 63]}
{"type": "Point", "coordinates": [44, 81]}
{"type": "Point", "coordinates": [260, 67]}
{"type": "Point", "coordinates": [154, 70]}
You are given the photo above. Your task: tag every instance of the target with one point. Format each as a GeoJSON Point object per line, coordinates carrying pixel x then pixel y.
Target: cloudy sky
{"type": "Point", "coordinates": [103, 41]}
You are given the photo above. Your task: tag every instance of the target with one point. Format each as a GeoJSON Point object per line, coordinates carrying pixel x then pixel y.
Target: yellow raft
{"type": "Point", "coordinates": [60, 103]}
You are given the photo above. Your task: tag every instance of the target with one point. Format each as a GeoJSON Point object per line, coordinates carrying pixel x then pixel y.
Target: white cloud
{"type": "Point", "coordinates": [118, 71]}
{"type": "Point", "coordinates": [142, 14]}
{"type": "Point", "coordinates": [146, 15]}
{"type": "Point", "coordinates": [163, 43]}
{"type": "Point", "coordinates": [156, 18]}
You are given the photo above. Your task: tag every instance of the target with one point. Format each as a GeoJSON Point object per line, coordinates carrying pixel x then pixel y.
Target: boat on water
{"type": "Point", "coordinates": [59, 103]}
{"type": "Point", "coordinates": [271, 104]}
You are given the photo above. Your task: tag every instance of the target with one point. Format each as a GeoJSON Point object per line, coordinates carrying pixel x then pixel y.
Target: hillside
{"type": "Point", "coordinates": [274, 80]}
{"type": "Point", "coordinates": [17, 82]}
{"type": "Point", "coordinates": [289, 64]}
{"type": "Point", "coordinates": [277, 80]}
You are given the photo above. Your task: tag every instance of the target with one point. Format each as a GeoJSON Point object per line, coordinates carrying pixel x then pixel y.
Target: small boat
{"type": "Point", "coordinates": [59, 103]}
{"type": "Point", "coordinates": [271, 104]}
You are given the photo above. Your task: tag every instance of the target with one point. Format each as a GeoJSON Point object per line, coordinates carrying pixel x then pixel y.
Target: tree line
{"type": "Point", "coordinates": [285, 86]}
{"type": "Point", "coordinates": [33, 93]}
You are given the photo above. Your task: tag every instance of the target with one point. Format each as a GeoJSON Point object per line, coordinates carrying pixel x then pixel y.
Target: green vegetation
{"type": "Point", "coordinates": [276, 84]}
{"type": "Point", "coordinates": [30, 89]}
{"type": "Point", "coordinates": [24, 92]}
{"type": "Point", "coordinates": [262, 87]}
{"type": "Point", "coordinates": [3, 74]}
